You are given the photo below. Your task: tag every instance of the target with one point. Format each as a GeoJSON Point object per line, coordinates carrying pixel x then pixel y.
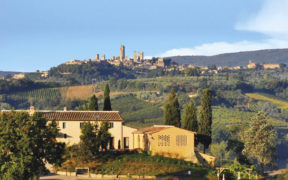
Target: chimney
{"type": "Point", "coordinates": [65, 108]}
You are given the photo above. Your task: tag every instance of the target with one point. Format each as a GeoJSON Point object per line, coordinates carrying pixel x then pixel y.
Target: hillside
{"type": "Point", "coordinates": [4, 73]}
{"type": "Point", "coordinates": [236, 59]}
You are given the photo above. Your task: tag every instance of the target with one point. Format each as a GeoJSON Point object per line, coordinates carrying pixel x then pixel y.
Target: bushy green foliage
{"type": "Point", "coordinates": [93, 103]}
{"type": "Point", "coordinates": [84, 73]}
{"type": "Point", "coordinates": [103, 135]}
{"type": "Point", "coordinates": [260, 139]}
{"type": "Point", "coordinates": [25, 143]}
{"type": "Point", "coordinates": [89, 144]}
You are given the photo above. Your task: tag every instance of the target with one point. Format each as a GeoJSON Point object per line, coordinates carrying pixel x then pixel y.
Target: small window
{"type": "Point", "coordinates": [64, 125]}
{"type": "Point", "coordinates": [163, 140]}
{"type": "Point", "coordinates": [111, 125]}
{"type": "Point", "coordinates": [65, 136]}
{"type": "Point", "coordinates": [181, 140]}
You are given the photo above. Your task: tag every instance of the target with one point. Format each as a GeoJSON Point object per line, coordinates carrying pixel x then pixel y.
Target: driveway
{"type": "Point", "coordinates": [58, 177]}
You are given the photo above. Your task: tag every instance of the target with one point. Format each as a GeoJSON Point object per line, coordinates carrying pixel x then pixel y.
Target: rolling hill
{"type": "Point", "coordinates": [272, 56]}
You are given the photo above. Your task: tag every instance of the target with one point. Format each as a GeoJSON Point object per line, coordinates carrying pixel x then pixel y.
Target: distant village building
{"type": "Point", "coordinates": [18, 76]}
{"type": "Point", "coordinates": [271, 66]}
{"type": "Point", "coordinates": [74, 61]}
{"type": "Point", "coordinates": [251, 65]}
{"type": "Point", "coordinates": [44, 74]}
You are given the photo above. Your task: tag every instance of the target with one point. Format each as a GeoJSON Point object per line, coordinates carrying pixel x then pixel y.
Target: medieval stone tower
{"type": "Point", "coordinates": [141, 55]}
{"type": "Point", "coordinates": [122, 52]}
{"type": "Point", "coordinates": [135, 57]}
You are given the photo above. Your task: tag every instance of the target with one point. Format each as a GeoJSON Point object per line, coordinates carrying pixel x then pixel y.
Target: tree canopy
{"type": "Point", "coordinates": [260, 141]}
{"type": "Point", "coordinates": [93, 103]}
{"type": "Point", "coordinates": [26, 142]}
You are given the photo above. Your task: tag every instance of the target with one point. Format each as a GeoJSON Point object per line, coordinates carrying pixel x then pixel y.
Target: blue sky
{"type": "Point", "coordinates": [40, 34]}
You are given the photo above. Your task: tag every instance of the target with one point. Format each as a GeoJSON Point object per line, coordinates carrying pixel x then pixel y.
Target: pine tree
{"type": "Point", "coordinates": [190, 118]}
{"type": "Point", "coordinates": [107, 102]}
{"type": "Point", "coordinates": [93, 103]}
{"type": "Point", "coordinates": [205, 120]}
{"type": "Point", "coordinates": [172, 114]}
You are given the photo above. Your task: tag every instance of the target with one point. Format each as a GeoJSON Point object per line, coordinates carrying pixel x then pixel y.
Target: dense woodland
{"type": "Point", "coordinates": [140, 96]}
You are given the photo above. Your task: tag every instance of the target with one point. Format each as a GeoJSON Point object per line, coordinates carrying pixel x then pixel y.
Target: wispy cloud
{"type": "Point", "coordinates": [271, 20]}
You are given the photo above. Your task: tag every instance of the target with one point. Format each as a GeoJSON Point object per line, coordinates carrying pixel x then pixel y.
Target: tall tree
{"type": "Point", "coordinates": [205, 120]}
{"type": "Point", "coordinates": [107, 102]}
{"type": "Point", "coordinates": [190, 118]}
{"type": "Point", "coordinates": [172, 114]}
{"type": "Point", "coordinates": [103, 135]}
{"type": "Point", "coordinates": [93, 103]}
{"type": "Point", "coordinates": [26, 142]}
{"type": "Point", "coordinates": [88, 141]}
{"type": "Point", "coordinates": [260, 141]}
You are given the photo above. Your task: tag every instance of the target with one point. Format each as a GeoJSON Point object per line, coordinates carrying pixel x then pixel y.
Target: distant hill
{"type": "Point", "coordinates": [273, 56]}
{"type": "Point", "coordinates": [4, 73]}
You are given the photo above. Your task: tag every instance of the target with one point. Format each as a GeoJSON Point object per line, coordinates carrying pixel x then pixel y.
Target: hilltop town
{"type": "Point", "coordinates": [138, 62]}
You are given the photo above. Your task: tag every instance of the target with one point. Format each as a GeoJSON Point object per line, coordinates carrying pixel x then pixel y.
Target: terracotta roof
{"type": "Point", "coordinates": [77, 115]}
{"type": "Point", "coordinates": [82, 115]}
{"type": "Point", "coordinates": [151, 130]}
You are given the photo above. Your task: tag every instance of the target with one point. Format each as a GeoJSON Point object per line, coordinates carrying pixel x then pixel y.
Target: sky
{"type": "Point", "coordinates": [37, 35]}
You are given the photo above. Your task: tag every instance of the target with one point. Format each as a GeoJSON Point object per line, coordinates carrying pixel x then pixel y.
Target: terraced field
{"type": "Point", "coordinates": [262, 97]}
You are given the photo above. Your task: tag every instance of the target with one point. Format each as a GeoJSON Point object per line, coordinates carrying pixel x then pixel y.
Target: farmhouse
{"type": "Point", "coordinates": [164, 140]}
{"type": "Point", "coordinates": [70, 122]}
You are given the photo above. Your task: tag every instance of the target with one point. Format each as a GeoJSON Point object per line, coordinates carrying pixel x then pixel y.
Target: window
{"type": "Point", "coordinates": [65, 136]}
{"type": "Point", "coordinates": [64, 125]}
{"type": "Point", "coordinates": [81, 124]}
{"type": "Point", "coordinates": [163, 140]}
{"type": "Point", "coordinates": [181, 140]}
{"type": "Point", "coordinates": [111, 125]}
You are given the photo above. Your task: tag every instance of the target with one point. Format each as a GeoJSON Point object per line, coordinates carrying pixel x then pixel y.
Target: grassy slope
{"type": "Point", "coordinates": [232, 116]}
{"type": "Point", "coordinates": [136, 163]}
{"type": "Point", "coordinates": [280, 103]}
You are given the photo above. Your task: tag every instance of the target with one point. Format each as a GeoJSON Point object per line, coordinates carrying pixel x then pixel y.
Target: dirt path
{"type": "Point", "coordinates": [58, 177]}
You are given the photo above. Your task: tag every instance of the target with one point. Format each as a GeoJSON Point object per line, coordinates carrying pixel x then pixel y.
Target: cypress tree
{"type": "Point", "coordinates": [172, 114]}
{"type": "Point", "coordinates": [205, 120]}
{"type": "Point", "coordinates": [107, 103]}
{"type": "Point", "coordinates": [93, 103]}
{"type": "Point", "coordinates": [190, 118]}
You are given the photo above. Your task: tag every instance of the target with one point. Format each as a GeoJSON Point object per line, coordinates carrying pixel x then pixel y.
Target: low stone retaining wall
{"type": "Point", "coordinates": [105, 176]}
